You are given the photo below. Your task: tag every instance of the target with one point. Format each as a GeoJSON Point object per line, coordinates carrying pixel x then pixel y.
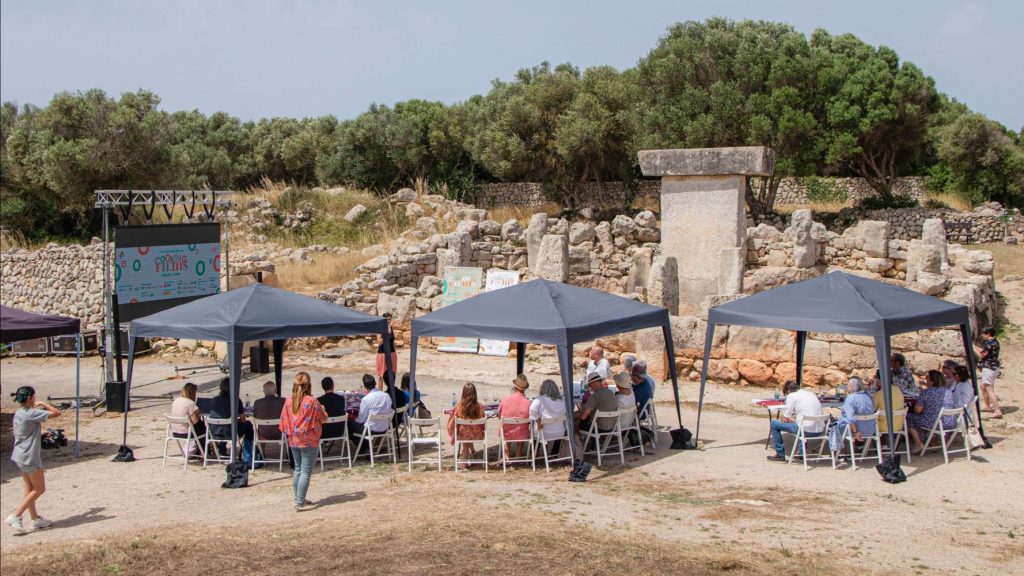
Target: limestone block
{"type": "Point", "coordinates": [646, 219]}
{"type": "Point", "coordinates": [427, 224]}
{"type": "Point", "coordinates": [462, 244]}
{"type": "Point", "coordinates": [581, 232]}
{"type": "Point", "coordinates": [413, 210]}
{"type": "Point", "coordinates": [402, 308]}
{"type": "Point", "coordinates": [933, 232]}
{"type": "Point", "coordinates": [489, 228]}
{"type": "Point", "coordinates": [846, 356]}
{"type": "Point", "coordinates": [805, 249]}
{"type": "Point", "coordinates": [777, 258]}
{"type": "Point", "coordinates": [771, 276]}
{"type": "Point", "coordinates": [535, 232]}
{"type": "Point", "coordinates": [879, 265]}
{"type": "Point", "coordinates": [553, 258]}
{"type": "Point", "coordinates": [511, 230]}
{"type": "Point", "coordinates": [639, 270]}
{"type": "Point", "coordinates": [745, 160]}
{"type": "Point", "coordinates": [471, 227]}
{"type": "Point", "coordinates": [663, 284]}
{"type": "Point", "coordinates": [623, 225]}
{"type": "Point", "coordinates": [922, 257]}
{"type": "Point", "coordinates": [603, 232]}
{"type": "Point", "coordinates": [817, 353]}
{"type": "Point", "coordinates": [754, 372]}
{"type": "Point", "coordinates": [730, 272]}
{"type": "Point", "coordinates": [765, 232]}
{"type": "Point", "coordinates": [475, 214]}
{"type": "Point", "coordinates": [930, 283]}
{"type": "Point", "coordinates": [762, 344]}
{"type": "Point", "coordinates": [976, 262]}
{"type": "Point", "coordinates": [404, 195]}
{"type": "Point", "coordinates": [725, 370]}
{"type": "Point", "coordinates": [875, 235]}
{"type": "Point", "coordinates": [942, 342]}
{"type": "Point", "coordinates": [356, 211]}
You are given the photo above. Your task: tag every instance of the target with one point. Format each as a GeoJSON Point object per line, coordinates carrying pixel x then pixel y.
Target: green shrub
{"type": "Point", "coordinates": [823, 190]}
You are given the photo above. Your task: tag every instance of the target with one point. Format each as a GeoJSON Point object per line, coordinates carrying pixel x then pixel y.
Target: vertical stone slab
{"type": "Point", "coordinates": [535, 232]}
{"type": "Point", "coordinates": [933, 232]}
{"type": "Point", "coordinates": [553, 258]}
{"type": "Point", "coordinates": [663, 284]}
{"type": "Point", "coordinates": [731, 263]}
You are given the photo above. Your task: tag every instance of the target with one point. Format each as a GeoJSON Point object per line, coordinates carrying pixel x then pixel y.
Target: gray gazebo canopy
{"type": "Point", "coordinates": [256, 312]}
{"type": "Point", "coordinates": [544, 312]}
{"type": "Point", "coordinates": [845, 304]}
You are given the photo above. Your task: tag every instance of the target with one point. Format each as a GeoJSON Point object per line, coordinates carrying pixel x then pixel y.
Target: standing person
{"type": "Point", "coordinates": [467, 408]}
{"type": "Point", "coordinates": [516, 405]}
{"type": "Point", "coordinates": [382, 370]}
{"type": "Point", "coordinates": [799, 403]}
{"type": "Point", "coordinates": [598, 363]}
{"type": "Point", "coordinates": [988, 355]}
{"type": "Point", "coordinates": [302, 420]}
{"type": "Point", "coordinates": [27, 455]}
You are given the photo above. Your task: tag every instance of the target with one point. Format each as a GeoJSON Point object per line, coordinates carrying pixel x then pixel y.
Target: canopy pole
{"type": "Point", "coordinates": [128, 386]}
{"type": "Point", "coordinates": [520, 357]}
{"type": "Point", "coordinates": [885, 374]}
{"type": "Point", "coordinates": [235, 361]}
{"type": "Point", "coordinates": [666, 331]}
{"type": "Point", "coordinates": [709, 337]}
{"type": "Point", "coordinates": [78, 385]}
{"type": "Point", "coordinates": [972, 367]}
{"type": "Point", "coordinates": [278, 363]}
{"type": "Point", "coordinates": [565, 367]}
{"type": "Point", "coordinates": [801, 344]}
{"type": "Point", "coordinates": [389, 373]}
{"type": "Point", "coordinates": [413, 341]}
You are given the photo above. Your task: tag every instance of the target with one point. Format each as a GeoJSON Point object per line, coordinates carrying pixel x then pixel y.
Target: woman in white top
{"type": "Point", "coordinates": [963, 390]}
{"type": "Point", "coordinates": [185, 405]}
{"type": "Point", "coordinates": [547, 406]}
{"type": "Point", "coordinates": [625, 398]}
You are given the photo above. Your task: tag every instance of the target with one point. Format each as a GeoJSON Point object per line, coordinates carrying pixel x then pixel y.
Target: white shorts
{"type": "Point", "coordinates": [988, 376]}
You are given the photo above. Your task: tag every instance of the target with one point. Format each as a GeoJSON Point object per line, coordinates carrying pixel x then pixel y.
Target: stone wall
{"type": "Point", "coordinates": [64, 280]}
{"type": "Point", "coordinates": [793, 191]}
{"type": "Point", "coordinates": [987, 224]}
{"type": "Point", "coordinates": [606, 195]}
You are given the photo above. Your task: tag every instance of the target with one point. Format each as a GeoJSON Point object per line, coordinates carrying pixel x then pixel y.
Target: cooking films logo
{"type": "Point", "coordinates": [160, 272]}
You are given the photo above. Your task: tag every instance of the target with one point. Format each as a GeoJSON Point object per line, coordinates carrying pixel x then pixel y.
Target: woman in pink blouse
{"type": "Point", "coordinates": [516, 405]}
{"type": "Point", "coordinates": [302, 421]}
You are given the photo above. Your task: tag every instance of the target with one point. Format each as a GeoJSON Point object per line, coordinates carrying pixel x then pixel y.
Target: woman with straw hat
{"type": "Point", "coordinates": [516, 405]}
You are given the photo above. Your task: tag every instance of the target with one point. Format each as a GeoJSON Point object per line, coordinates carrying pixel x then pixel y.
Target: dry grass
{"type": "Point", "coordinates": [815, 207]}
{"type": "Point", "coordinates": [327, 270]}
{"type": "Point", "coordinates": [11, 240]}
{"type": "Point", "coordinates": [522, 214]}
{"type": "Point", "coordinates": [444, 533]}
{"type": "Point", "coordinates": [951, 199]}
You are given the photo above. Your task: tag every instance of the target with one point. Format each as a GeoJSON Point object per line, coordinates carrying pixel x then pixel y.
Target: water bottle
{"type": "Point", "coordinates": [248, 405]}
{"type": "Point", "coordinates": [453, 399]}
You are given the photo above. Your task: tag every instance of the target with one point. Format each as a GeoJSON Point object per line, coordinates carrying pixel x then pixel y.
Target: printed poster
{"type": "Point", "coordinates": [497, 279]}
{"type": "Point", "coordinates": [459, 284]}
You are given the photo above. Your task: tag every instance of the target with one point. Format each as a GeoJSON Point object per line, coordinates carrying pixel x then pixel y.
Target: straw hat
{"type": "Point", "coordinates": [521, 383]}
{"type": "Point", "coordinates": [622, 380]}
{"type": "Point", "coordinates": [594, 377]}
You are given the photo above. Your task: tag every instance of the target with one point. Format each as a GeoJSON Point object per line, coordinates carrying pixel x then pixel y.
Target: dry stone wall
{"type": "Point", "coordinates": [987, 224]}
{"type": "Point", "coordinates": [793, 191]}
{"type": "Point", "coordinates": [605, 195]}
{"type": "Point", "coordinates": [64, 280]}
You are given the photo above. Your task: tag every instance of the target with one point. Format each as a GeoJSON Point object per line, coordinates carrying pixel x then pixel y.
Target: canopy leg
{"type": "Point", "coordinates": [565, 367]}
{"type": "Point", "coordinates": [666, 331]}
{"type": "Point", "coordinates": [972, 367]}
{"type": "Point", "coordinates": [78, 386]}
{"type": "Point", "coordinates": [235, 362]}
{"type": "Point", "coordinates": [709, 337]}
{"type": "Point", "coordinates": [278, 363]}
{"type": "Point", "coordinates": [801, 345]}
{"type": "Point", "coordinates": [885, 375]}
{"type": "Point", "coordinates": [520, 357]}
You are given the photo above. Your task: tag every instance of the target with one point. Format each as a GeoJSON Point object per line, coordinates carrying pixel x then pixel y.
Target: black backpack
{"type": "Point", "coordinates": [238, 475]}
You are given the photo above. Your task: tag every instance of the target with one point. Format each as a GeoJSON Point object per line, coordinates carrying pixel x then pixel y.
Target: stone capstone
{"type": "Point", "coordinates": [744, 161]}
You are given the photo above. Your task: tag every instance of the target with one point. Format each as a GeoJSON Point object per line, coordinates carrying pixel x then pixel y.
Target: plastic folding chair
{"type": "Point", "coordinates": [948, 435]}
{"type": "Point", "coordinates": [423, 432]}
{"type": "Point", "coordinates": [382, 439]}
{"type": "Point", "coordinates": [851, 441]}
{"type": "Point", "coordinates": [630, 421]}
{"type": "Point", "coordinates": [603, 438]}
{"type": "Point", "coordinates": [802, 439]}
{"type": "Point", "coordinates": [530, 444]}
{"type": "Point", "coordinates": [549, 430]}
{"type": "Point", "coordinates": [482, 422]}
{"type": "Point", "coordinates": [897, 435]}
{"type": "Point", "coordinates": [211, 441]}
{"type": "Point", "coordinates": [190, 437]}
{"type": "Point", "coordinates": [649, 417]}
{"type": "Point", "coordinates": [345, 452]}
{"type": "Point", "coordinates": [259, 456]}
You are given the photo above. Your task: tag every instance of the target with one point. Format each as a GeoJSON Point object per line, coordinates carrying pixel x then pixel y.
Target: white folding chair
{"type": "Point", "coordinates": [897, 435]}
{"type": "Point", "coordinates": [628, 420]}
{"type": "Point", "coordinates": [281, 443]}
{"type": "Point", "coordinates": [190, 437]}
{"type": "Point", "coordinates": [649, 417]}
{"type": "Point", "coordinates": [459, 442]}
{"type": "Point", "coordinates": [423, 432]}
{"type": "Point", "coordinates": [802, 439]}
{"type": "Point", "coordinates": [851, 441]}
{"type": "Point", "coordinates": [603, 438]}
{"type": "Point", "coordinates": [948, 435]}
{"type": "Point", "coordinates": [345, 452]}
{"type": "Point", "coordinates": [530, 444]}
{"type": "Point", "coordinates": [382, 439]}
{"type": "Point", "coordinates": [549, 430]}
{"type": "Point", "coordinates": [211, 441]}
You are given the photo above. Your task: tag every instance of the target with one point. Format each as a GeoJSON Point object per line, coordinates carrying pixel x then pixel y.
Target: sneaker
{"type": "Point", "coordinates": [304, 508]}
{"type": "Point", "coordinates": [776, 458]}
{"type": "Point", "coordinates": [15, 523]}
{"type": "Point", "coordinates": [40, 523]}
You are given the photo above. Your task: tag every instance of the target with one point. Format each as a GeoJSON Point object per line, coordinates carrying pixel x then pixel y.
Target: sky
{"type": "Point", "coordinates": [264, 58]}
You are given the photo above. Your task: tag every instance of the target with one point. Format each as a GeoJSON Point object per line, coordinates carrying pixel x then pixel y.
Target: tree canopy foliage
{"type": "Point", "coordinates": [828, 105]}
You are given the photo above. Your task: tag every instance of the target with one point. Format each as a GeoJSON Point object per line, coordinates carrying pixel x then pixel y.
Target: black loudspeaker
{"type": "Point", "coordinates": [115, 392]}
{"type": "Point", "coordinates": [259, 360]}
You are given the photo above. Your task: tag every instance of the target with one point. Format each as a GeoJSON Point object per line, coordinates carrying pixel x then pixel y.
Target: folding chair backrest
{"type": "Point", "coordinates": [823, 420]}
{"type": "Point", "coordinates": [611, 414]}
{"type": "Point", "coordinates": [505, 420]}
{"type": "Point", "coordinates": [218, 421]}
{"type": "Point", "coordinates": [416, 427]}
{"type": "Point", "coordinates": [257, 422]}
{"type": "Point", "coordinates": [381, 417]}
{"type": "Point", "coordinates": [867, 417]}
{"type": "Point", "coordinates": [955, 412]}
{"type": "Point", "coordinates": [552, 423]}
{"type": "Point", "coordinates": [336, 419]}
{"type": "Point", "coordinates": [185, 420]}
{"type": "Point", "coordinates": [477, 422]}
{"type": "Point", "coordinates": [628, 410]}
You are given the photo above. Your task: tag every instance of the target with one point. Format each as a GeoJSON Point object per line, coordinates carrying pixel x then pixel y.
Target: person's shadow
{"type": "Point", "coordinates": [88, 517]}
{"type": "Point", "coordinates": [340, 499]}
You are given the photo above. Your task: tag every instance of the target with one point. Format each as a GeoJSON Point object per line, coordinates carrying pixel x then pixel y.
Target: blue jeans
{"type": "Point", "coordinates": [778, 427]}
{"type": "Point", "coordinates": [304, 459]}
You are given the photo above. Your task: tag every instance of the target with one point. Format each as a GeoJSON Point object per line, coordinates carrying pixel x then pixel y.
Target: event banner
{"type": "Point", "coordinates": [161, 266]}
{"type": "Point", "coordinates": [459, 284]}
{"type": "Point", "coordinates": [497, 279]}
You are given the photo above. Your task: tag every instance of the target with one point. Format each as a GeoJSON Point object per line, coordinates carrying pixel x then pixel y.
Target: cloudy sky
{"type": "Point", "coordinates": [262, 58]}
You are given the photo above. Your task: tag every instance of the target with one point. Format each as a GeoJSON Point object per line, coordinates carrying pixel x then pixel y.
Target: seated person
{"type": "Point", "coordinates": [963, 390]}
{"type": "Point", "coordinates": [334, 404]}
{"type": "Point", "coordinates": [799, 403]}
{"type": "Point", "coordinates": [467, 408]}
{"type": "Point", "coordinates": [858, 403]}
{"type": "Point", "coordinates": [929, 404]}
{"type": "Point", "coordinates": [221, 408]}
{"type": "Point", "coordinates": [374, 402]}
{"type": "Point", "coordinates": [405, 388]}
{"type": "Point", "coordinates": [601, 399]}
{"type": "Point", "coordinates": [598, 363]}
{"type": "Point", "coordinates": [185, 405]}
{"type": "Point", "coordinates": [643, 389]}
{"type": "Point", "coordinates": [268, 408]}
{"type": "Point", "coordinates": [547, 406]}
{"type": "Point", "coordinates": [398, 400]}
{"type": "Point", "coordinates": [624, 398]}
{"type": "Point", "coordinates": [515, 405]}
{"type": "Point", "coordinates": [898, 403]}
{"type": "Point", "coordinates": [902, 377]}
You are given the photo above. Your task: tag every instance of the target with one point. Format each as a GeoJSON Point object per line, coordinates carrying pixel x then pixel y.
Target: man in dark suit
{"type": "Point", "coordinates": [335, 406]}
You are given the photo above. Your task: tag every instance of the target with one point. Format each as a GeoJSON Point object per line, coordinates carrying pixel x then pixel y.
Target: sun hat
{"type": "Point", "coordinates": [622, 380]}
{"type": "Point", "coordinates": [521, 383]}
{"type": "Point", "coordinates": [594, 377]}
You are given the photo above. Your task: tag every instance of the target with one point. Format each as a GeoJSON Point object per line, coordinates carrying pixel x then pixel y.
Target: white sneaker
{"type": "Point", "coordinates": [15, 523]}
{"type": "Point", "coordinates": [40, 523]}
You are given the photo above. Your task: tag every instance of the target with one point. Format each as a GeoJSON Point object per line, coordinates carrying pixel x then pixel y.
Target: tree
{"type": "Point", "coordinates": [877, 110]}
{"type": "Point", "coordinates": [984, 160]}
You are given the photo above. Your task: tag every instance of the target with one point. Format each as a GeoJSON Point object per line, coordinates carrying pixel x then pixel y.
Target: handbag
{"type": "Point", "coordinates": [890, 470]}
{"type": "Point", "coordinates": [422, 412]}
{"type": "Point", "coordinates": [238, 475]}
{"type": "Point", "coordinates": [975, 439]}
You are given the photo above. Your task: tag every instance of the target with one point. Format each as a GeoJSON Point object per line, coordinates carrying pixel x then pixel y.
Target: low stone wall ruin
{"type": "Point", "coordinates": [793, 191]}
{"type": "Point", "coordinates": [610, 195]}
{"type": "Point", "coordinates": [65, 280]}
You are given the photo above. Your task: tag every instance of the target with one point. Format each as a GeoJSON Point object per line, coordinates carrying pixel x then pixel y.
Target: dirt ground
{"type": "Point", "coordinates": [723, 509]}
